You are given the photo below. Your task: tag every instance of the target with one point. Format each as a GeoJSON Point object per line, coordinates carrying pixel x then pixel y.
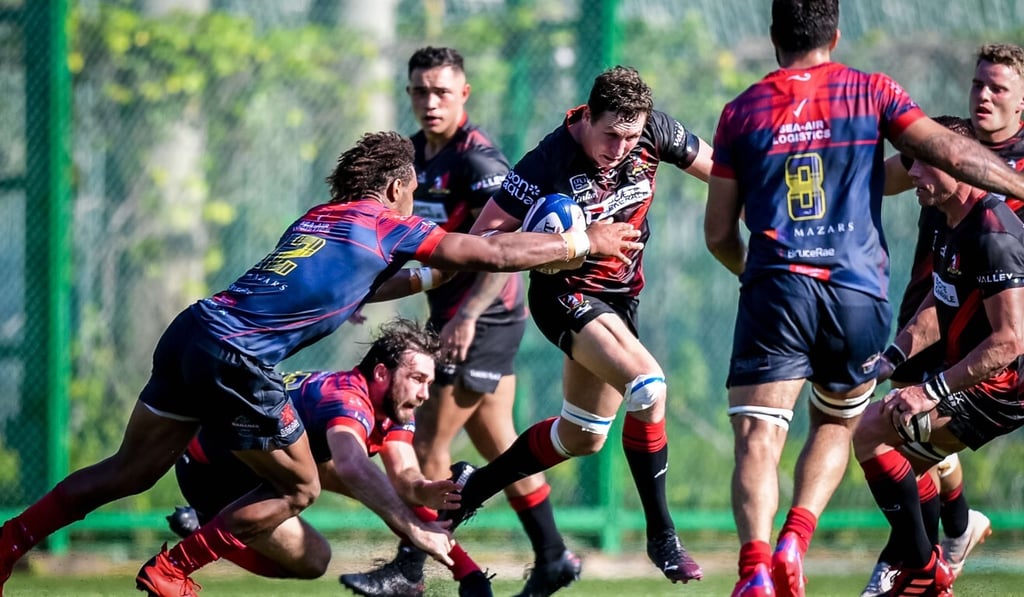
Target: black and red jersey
{"type": "Point", "coordinates": [454, 186]}
{"type": "Point", "coordinates": [920, 283]}
{"type": "Point", "coordinates": [982, 256]}
{"type": "Point", "coordinates": [622, 194]}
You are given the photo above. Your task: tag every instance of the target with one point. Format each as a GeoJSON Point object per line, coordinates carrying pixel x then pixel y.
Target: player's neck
{"type": "Point", "coordinates": [793, 61]}
{"type": "Point", "coordinates": [436, 142]}
{"type": "Point", "coordinates": [957, 208]}
{"type": "Point", "coordinates": [997, 137]}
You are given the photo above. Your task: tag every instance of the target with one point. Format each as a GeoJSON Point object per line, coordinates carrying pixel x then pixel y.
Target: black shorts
{"type": "Point", "coordinates": [491, 356]}
{"type": "Point", "coordinates": [236, 398]}
{"type": "Point", "coordinates": [791, 326]}
{"type": "Point", "coordinates": [556, 315]}
{"type": "Point", "coordinates": [209, 487]}
{"type": "Point", "coordinates": [984, 411]}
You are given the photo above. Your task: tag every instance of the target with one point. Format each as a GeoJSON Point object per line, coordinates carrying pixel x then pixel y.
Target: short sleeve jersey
{"type": "Point", "coordinates": [920, 283]}
{"type": "Point", "coordinates": [805, 147]}
{"type": "Point", "coordinates": [324, 267]}
{"type": "Point", "coordinates": [622, 194]}
{"type": "Point", "coordinates": [982, 256]}
{"type": "Point", "coordinates": [328, 399]}
{"type": "Point", "coordinates": [454, 184]}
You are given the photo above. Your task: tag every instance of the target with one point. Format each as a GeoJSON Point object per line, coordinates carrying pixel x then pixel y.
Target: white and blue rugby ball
{"type": "Point", "coordinates": [556, 212]}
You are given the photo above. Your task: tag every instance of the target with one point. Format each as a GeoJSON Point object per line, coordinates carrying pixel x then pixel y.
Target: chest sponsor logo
{"type": "Point", "coordinates": [580, 183]}
{"type": "Point", "coordinates": [823, 230]}
{"type": "Point", "coordinates": [520, 188]}
{"type": "Point", "coordinates": [944, 292]}
{"type": "Point", "coordinates": [433, 211]}
{"type": "Point", "coordinates": [624, 197]}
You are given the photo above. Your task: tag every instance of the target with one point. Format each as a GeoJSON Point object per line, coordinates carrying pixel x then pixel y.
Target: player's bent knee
{"type": "Point", "coordinates": [842, 408]}
{"type": "Point", "coordinates": [780, 417]}
{"type": "Point", "coordinates": [644, 391]}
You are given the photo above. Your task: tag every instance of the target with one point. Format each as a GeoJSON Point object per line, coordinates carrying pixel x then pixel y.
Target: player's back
{"type": "Point", "coordinates": [806, 149]}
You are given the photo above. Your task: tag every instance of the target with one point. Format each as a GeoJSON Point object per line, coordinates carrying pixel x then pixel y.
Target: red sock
{"type": "Point", "coordinates": [52, 512]}
{"type": "Point", "coordinates": [643, 436]}
{"type": "Point", "coordinates": [257, 563]}
{"type": "Point", "coordinates": [926, 489]}
{"type": "Point", "coordinates": [952, 494]}
{"type": "Point", "coordinates": [522, 503]}
{"type": "Point", "coordinates": [752, 554]}
{"type": "Point", "coordinates": [211, 542]}
{"type": "Point", "coordinates": [802, 522]}
{"type": "Point", "coordinates": [463, 564]}
{"type": "Point", "coordinates": [541, 447]}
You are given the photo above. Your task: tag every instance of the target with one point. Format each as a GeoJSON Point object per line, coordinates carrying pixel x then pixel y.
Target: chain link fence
{"type": "Point", "coordinates": [198, 129]}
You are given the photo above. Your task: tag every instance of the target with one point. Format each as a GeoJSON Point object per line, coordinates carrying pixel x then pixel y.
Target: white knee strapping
{"type": "Point", "coordinates": [844, 408]}
{"type": "Point", "coordinates": [589, 422]}
{"type": "Point", "coordinates": [644, 391]}
{"type": "Point", "coordinates": [948, 465]}
{"type": "Point", "coordinates": [775, 416]}
{"type": "Point", "coordinates": [557, 441]}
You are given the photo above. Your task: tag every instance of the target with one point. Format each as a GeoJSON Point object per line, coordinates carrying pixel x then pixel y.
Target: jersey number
{"type": "Point", "coordinates": [806, 197]}
{"type": "Point", "coordinates": [297, 246]}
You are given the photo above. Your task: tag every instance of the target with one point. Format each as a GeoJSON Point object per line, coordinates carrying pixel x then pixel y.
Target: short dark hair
{"type": "Point", "coordinates": [620, 90]}
{"type": "Point", "coordinates": [960, 126]}
{"type": "Point", "coordinates": [1010, 55]}
{"type": "Point", "coordinates": [430, 57]}
{"type": "Point", "coordinates": [370, 165]}
{"type": "Point", "coordinates": [394, 338]}
{"type": "Point", "coordinates": [799, 26]}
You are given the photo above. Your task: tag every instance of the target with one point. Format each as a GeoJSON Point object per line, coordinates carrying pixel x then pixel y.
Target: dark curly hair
{"type": "Point", "coordinates": [430, 57]}
{"type": "Point", "coordinates": [620, 90]}
{"type": "Point", "coordinates": [370, 166]}
{"type": "Point", "coordinates": [799, 26]}
{"type": "Point", "coordinates": [394, 339]}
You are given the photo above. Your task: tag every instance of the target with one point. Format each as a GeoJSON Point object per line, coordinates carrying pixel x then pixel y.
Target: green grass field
{"type": "Point", "coordinates": [835, 566]}
{"type": "Point", "coordinates": [233, 586]}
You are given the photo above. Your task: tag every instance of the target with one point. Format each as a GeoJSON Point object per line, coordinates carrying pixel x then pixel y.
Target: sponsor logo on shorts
{"type": "Point", "coordinates": [243, 422]}
{"type": "Point", "coordinates": [868, 366]}
{"type": "Point", "coordinates": [575, 304]}
{"type": "Point", "coordinates": [481, 374]}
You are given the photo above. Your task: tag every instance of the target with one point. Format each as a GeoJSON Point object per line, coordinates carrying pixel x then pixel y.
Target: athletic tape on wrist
{"type": "Point", "coordinates": [426, 277]}
{"type": "Point", "coordinates": [937, 388]}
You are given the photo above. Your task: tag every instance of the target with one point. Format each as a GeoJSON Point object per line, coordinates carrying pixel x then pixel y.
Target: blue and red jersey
{"type": "Point", "coordinates": [806, 149]}
{"type": "Point", "coordinates": [323, 399]}
{"type": "Point", "coordinates": [453, 186]}
{"type": "Point", "coordinates": [324, 267]}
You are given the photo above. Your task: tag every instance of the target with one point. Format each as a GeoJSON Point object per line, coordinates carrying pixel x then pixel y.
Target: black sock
{"type": "Point", "coordinates": [930, 518]}
{"type": "Point", "coordinates": [517, 462]}
{"type": "Point", "coordinates": [953, 514]}
{"type": "Point", "coordinates": [899, 501]}
{"type": "Point", "coordinates": [649, 471]}
{"type": "Point", "coordinates": [539, 524]}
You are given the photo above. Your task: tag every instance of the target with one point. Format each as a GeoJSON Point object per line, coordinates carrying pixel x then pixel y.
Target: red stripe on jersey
{"type": "Point", "coordinates": [963, 317]}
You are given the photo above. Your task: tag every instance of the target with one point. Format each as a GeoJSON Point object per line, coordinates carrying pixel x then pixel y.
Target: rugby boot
{"type": "Point", "coordinates": [669, 555]}
{"type": "Point", "coordinates": [788, 567]}
{"type": "Point", "coordinates": [880, 582]}
{"type": "Point", "coordinates": [159, 577]}
{"type": "Point", "coordinates": [956, 549]}
{"type": "Point", "coordinates": [476, 584]}
{"type": "Point", "coordinates": [461, 472]}
{"type": "Point", "coordinates": [401, 577]}
{"type": "Point", "coordinates": [545, 579]}
{"type": "Point", "coordinates": [934, 580]}
{"type": "Point", "coordinates": [756, 584]}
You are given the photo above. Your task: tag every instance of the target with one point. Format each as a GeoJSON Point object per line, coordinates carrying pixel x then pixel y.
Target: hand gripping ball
{"type": "Point", "coordinates": [556, 212]}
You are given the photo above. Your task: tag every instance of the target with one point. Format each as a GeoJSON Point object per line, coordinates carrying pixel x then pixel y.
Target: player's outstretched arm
{"type": "Point", "coordinates": [526, 250]}
{"type": "Point", "coordinates": [403, 469]}
{"type": "Point", "coordinates": [353, 474]}
{"type": "Point", "coordinates": [964, 159]}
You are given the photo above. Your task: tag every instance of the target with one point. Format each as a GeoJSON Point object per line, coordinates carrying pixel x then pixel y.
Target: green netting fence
{"type": "Point", "coordinates": [154, 149]}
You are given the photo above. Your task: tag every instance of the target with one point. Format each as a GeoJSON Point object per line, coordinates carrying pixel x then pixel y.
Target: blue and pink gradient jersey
{"type": "Point", "coordinates": [325, 265]}
{"type": "Point", "coordinates": [806, 149]}
{"type": "Point", "coordinates": [325, 399]}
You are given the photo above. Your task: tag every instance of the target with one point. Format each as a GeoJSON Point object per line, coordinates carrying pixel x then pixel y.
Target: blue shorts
{"type": "Point", "coordinates": [791, 326]}
{"type": "Point", "coordinates": [236, 398]}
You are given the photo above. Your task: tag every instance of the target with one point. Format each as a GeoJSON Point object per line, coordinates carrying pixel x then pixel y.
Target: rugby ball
{"type": "Point", "coordinates": [556, 212]}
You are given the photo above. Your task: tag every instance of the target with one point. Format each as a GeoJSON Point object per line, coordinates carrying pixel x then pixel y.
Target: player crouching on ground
{"type": "Point", "coordinates": [350, 416]}
{"type": "Point", "coordinates": [978, 294]}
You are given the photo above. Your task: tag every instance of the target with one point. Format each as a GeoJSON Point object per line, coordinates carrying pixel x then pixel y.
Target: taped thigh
{"type": "Point", "coordinates": [644, 391]}
{"type": "Point", "coordinates": [948, 465]}
{"type": "Point", "coordinates": [843, 408]}
{"type": "Point", "coordinates": [775, 416]}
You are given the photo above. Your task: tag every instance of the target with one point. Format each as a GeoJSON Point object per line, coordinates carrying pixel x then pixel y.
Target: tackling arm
{"type": "Point", "coordinates": [403, 469]}
{"type": "Point", "coordinates": [722, 224]}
